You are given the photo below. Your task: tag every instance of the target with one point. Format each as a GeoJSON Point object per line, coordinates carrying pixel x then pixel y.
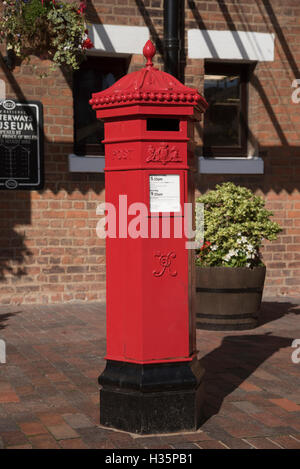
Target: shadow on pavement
{"type": "Point", "coordinates": [233, 362]}
{"type": "Point", "coordinates": [273, 310]}
{"type": "Point", "coordinates": [4, 318]}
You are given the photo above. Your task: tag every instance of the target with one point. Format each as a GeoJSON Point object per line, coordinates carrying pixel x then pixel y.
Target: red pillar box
{"type": "Point", "coordinates": [153, 380]}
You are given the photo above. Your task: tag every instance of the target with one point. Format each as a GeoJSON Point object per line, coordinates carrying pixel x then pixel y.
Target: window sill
{"type": "Point", "coordinates": [253, 165]}
{"type": "Point", "coordinates": [86, 164]}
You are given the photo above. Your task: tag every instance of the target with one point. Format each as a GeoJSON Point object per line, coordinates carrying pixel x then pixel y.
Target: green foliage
{"type": "Point", "coordinates": [235, 225]}
{"type": "Point", "coordinates": [32, 12]}
{"type": "Point", "coordinates": [52, 30]}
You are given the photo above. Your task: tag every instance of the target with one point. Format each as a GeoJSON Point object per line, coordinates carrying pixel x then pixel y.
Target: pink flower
{"type": "Point", "coordinates": [82, 7]}
{"type": "Point", "coordinates": [205, 245]}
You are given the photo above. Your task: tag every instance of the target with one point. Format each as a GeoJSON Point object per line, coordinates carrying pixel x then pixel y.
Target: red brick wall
{"type": "Point", "coordinates": [273, 123]}
{"type": "Point", "coordinates": [49, 251]}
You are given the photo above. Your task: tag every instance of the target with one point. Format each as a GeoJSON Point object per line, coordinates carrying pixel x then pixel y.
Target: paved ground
{"type": "Point", "coordinates": [49, 395]}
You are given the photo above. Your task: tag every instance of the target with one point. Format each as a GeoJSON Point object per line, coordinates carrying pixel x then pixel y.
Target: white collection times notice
{"type": "Point", "coordinates": [164, 192]}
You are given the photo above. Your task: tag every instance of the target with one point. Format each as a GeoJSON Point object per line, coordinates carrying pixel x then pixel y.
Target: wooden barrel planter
{"type": "Point", "coordinates": [228, 298]}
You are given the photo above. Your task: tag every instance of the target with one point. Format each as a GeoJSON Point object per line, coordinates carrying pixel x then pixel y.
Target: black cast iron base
{"type": "Point", "coordinates": [156, 398]}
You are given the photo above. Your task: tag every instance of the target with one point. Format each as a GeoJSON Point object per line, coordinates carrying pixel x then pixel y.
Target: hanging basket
{"type": "Point", "coordinates": [50, 30]}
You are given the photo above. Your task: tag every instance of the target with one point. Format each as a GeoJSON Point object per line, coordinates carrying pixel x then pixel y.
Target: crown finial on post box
{"type": "Point", "coordinates": [149, 51]}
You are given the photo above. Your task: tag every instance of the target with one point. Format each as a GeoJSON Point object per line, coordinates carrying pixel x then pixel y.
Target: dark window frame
{"type": "Point", "coordinates": [107, 64]}
{"type": "Point", "coordinates": [243, 70]}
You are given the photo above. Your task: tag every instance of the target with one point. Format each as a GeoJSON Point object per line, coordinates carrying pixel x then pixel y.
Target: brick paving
{"type": "Point", "coordinates": [49, 394]}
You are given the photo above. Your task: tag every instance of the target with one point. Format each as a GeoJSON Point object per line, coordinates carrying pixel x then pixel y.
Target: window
{"type": "Point", "coordinates": [95, 74]}
{"type": "Point", "coordinates": [225, 121]}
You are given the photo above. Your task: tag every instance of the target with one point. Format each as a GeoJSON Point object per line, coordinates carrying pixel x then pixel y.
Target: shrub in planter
{"type": "Point", "coordinates": [230, 272]}
{"type": "Point", "coordinates": [50, 29]}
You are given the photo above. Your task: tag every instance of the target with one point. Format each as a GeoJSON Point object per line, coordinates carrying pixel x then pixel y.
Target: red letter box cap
{"type": "Point", "coordinates": [148, 86]}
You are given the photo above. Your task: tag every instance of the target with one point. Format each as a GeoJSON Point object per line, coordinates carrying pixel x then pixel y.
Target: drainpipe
{"type": "Point", "coordinates": [172, 12]}
{"type": "Point", "coordinates": [10, 59]}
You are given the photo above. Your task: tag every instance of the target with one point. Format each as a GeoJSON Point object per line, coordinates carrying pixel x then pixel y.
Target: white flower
{"type": "Point", "coordinates": [242, 240]}
{"type": "Point", "coordinates": [214, 247]}
{"type": "Point", "coordinates": [250, 256]}
{"type": "Point", "coordinates": [230, 254]}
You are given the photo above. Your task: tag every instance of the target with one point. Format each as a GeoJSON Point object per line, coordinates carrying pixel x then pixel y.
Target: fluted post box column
{"type": "Point", "coordinates": [153, 380]}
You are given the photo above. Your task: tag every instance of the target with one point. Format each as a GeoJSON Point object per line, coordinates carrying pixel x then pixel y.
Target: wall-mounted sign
{"type": "Point", "coordinates": [164, 192]}
{"type": "Point", "coordinates": [21, 145]}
